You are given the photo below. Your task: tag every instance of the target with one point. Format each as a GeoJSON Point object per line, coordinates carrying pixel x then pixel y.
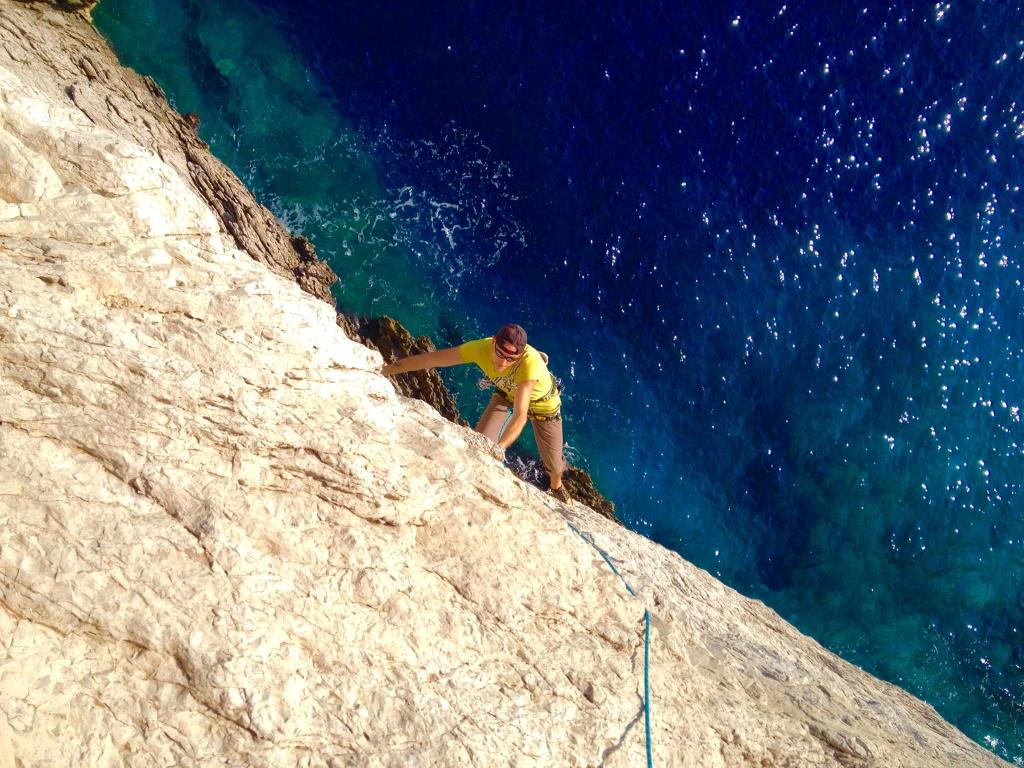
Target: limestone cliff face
{"type": "Point", "coordinates": [226, 540]}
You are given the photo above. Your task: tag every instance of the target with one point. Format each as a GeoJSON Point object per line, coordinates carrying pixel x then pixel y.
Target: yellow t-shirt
{"type": "Point", "coordinates": [530, 368]}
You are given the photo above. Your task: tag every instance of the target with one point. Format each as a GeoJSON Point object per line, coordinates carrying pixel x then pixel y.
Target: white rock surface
{"type": "Point", "coordinates": [225, 540]}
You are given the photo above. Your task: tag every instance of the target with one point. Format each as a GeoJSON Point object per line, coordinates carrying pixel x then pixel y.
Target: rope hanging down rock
{"type": "Point", "coordinates": [647, 620]}
{"type": "Point", "coordinates": [647, 637]}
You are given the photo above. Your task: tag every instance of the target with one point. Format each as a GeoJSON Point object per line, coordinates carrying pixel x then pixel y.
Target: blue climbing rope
{"type": "Point", "coordinates": [611, 565]}
{"type": "Point", "coordinates": [504, 425]}
{"type": "Point", "coordinates": [647, 624]}
{"type": "Point", "coordinates": [647, 684]}
{"type": "Point", "coordinates": [647, 641]}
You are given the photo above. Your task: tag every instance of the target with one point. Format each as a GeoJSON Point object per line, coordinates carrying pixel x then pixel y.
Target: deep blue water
{"type": "Point", "coordinates": [775, 251]}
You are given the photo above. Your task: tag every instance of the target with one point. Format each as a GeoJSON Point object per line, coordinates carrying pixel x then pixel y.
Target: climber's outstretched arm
{"type": "Point", "coordinates": [442, 358]}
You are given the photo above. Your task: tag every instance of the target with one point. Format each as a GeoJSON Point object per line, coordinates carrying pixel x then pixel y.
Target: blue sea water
{"type": "Point", "coordinates": [774, 250]}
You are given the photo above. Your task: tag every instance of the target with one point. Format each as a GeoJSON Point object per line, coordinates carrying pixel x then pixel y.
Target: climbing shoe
{"type": "Point", "coordinates": [561, 494]}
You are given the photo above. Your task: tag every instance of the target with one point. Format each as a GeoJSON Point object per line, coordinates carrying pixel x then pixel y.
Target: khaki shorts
{"type": "Point", "coordinates": [548, 433]}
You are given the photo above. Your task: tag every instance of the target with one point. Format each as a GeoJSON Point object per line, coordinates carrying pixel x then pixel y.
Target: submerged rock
{"type": "Point", "coordinates": [225, 539]}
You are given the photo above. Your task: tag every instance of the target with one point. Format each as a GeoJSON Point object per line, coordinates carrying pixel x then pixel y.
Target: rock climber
{"type": "Point", "coordinates": [523, 386]}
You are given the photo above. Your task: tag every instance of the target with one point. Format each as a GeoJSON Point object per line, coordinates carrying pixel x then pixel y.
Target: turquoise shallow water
{"type": "Point", "coordinates": [268, 119]}
{"type": "Point", "coordinates": [775, 253]}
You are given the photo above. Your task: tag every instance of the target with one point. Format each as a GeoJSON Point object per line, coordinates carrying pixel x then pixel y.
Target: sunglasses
{"type": "Point", "coordinates": [503, 356]}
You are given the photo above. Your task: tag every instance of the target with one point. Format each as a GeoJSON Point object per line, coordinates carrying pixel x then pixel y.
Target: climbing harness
{"type": "Point", "coordinates": [556, 416]}
{"type": "Point", "coordinates": [556, 389]}
{"type": "Point", "coordinates": [647, 638]}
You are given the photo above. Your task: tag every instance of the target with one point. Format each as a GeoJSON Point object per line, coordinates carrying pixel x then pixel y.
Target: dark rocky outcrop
{"type": "Point", "coordinates": [393, 341]}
